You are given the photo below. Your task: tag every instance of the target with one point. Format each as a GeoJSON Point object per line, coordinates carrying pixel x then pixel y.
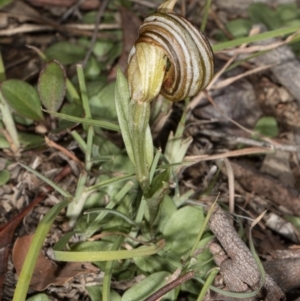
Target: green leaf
{"type": "Point", "coordinates": [92, 68]}
{"type": "Point", "coordinates": [95, 293]}
{"type": "Point", "coordinates": [262, 13]}
{"type": "Point", "coordinates": [256, 38]}
{"type": "Point", "coordinates": [71, 109]}
{"type": "Point", "coordinates": [106, 255]}
{"type": "Point", "coordinates": [122, 98]}
{"type": "Point", "coordinates": [98, 123]}
{"type": "Point", "coordinates": [267, 126]}
{"type": "Point", "coordinates": [103, 104]}
{"type": "Point", "coordinates": [4, 176]}
{"type": "Point", "coordinates": [149, 148]}
{"type": "Point", "coordinates": [94, 86]}
{"type": "Point", "coordinates": [239, 27]}
{"type": "Point", "coordinates": [167, 209]}
{"type": "Point", "coordinates": [182, 229]}
{"type": "Point", "coordinates": [66, 53]}
{"type": "Point", "coordinates": [203, 262]}
{"type": "Point", "coordinates": [5, 2]}
{"type": "Point", "coordinates": [30, 141]}
{"type": "Point", "coordinates": [39, 297]}
{"type": "Point", "coordinates": [158, 189]}
{"type": "Point", "coordinates": [288, 12]}
{"type": "Point", "coordinates": [102, 48]}
{"type": "Point", "coordinates": [23, 98]}
{"type": "Point", "coordinates": [52, 85]}
{"type": "Point", "coordinates": [3, 142]}
{"type": "Point", "coordinates": [152, 264]}
{"type": "Point", "coordinates": [295, 220]}
{"type": "Point", "coordinates": [148, 286]}
{"type": "Point", "coordinates": [22, 120]}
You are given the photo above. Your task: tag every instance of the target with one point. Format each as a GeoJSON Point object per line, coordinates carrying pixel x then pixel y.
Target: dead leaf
{"type": "Point", "coordinates": [7, 231]}
{"type": "Point", "coordinates": [47, 272]}
{"type": "Point", "coordinates": [6, 235]}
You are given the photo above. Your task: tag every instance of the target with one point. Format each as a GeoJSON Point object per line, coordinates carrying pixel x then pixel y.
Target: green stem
{"type": "Point", "coordinates": [75, 207]}
{"type": "Point", "coordinates": [140, 114]}
{"type": "Point", "coordinates": [207, 284]}
{"type": "Point", "coordinates": [108, 271]}
{"type": "Point", "coordinates": [205, 16]}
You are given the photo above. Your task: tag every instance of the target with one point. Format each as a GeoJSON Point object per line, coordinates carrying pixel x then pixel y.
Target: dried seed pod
{"type": "Point", "coordinates": [190, 58]}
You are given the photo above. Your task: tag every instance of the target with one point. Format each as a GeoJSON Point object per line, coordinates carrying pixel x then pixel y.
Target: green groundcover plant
{"type": "Point", "coordinates": [167, 236]}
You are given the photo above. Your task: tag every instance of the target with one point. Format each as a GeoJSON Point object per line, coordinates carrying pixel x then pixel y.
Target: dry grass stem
{"type": "Point", "coordinates": [229, 154]}
{"type": "Point", "coordinates": [69, 154]}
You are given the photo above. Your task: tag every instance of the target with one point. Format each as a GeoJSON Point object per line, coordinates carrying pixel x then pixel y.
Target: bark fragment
{"type": "Point", "coordinates": [238, 267]}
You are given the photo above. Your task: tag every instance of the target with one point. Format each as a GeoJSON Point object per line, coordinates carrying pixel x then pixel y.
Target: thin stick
{"type": "Point", "coordinates": [71, 10]}
{"type": "Point", "coordinates": [248, 141]}
{"type": "Point", "coordinates": [230, 176]}
{"type": "Point", "coordinates": [51, 143]}
{"type": "Point", "coordinates": [94, 37]}
{"type": "Point", "coordinates": [190, 160]}
{"type": "Point", "coordinates": [170, 286]}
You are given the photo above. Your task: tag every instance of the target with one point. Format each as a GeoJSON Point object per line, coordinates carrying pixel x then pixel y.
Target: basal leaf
{"type": "Point", "coordinates": [102, 48]}
{"type": "Point", "coordinates": [262, 13]}
{"type": "Point", "coordinates": [103, 104]}
{"type": "Point", "coordinates": [95, 293]}
{"type": "Point", "coordinates": [23, 98]}
{"type": "Point", "coordinates": [66, 53]}
{"type": "Point", "coordinates": [52, 85]}
{"type": "Point", "coordinates": [182, 229]}
{"type": "Point", "coordinates": [92, 68]}
{"type": "Point", "coordinates": [30, 141]}
{"type": "Point", "coordinates": [4, 176]}
{"type": "Point", "coordinates": [72, 109]}
{"type": "Point", "coordinates": [148, 286]}
{"type": "Point", "coordinates": [267, 126]}
{"type": "Point", "coordinates": [239, 27]}
{"type": "Point", "coordinates": [39, 297]}
{"type": "Point", "coordinates": [167, 209]}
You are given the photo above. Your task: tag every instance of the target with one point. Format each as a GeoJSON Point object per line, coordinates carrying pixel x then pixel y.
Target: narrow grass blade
{"type": "Point", "coordinates": [255, 38]}
{"type": "Point", "coordinates": [108, 255]}
{"type": "Point", "coordinates": [98, 123]}
{"type": "Point", "coordinates": [207, 284]}
{"type": "Point", "coordinates": [72, 93]}
{"type": "Point", "coordinates": [116, 199]}
{"type": "Point", "coordinates": [79, 140]}
{"type": "Point", "coordinates": [75, 207]}
{"type": "Point", "coordinates": [89, 147]}
{"type": "Point", "coordinates": [108, 272]}
{"type": "Point", "coordinates": [84, 97]}
{"type": "Point", "coordinates": [33, 252]}
{"type": "Point", "coordinates": [205, 16]}
{"type": "Point", "coordinates": [202, 229]}
{"type": "Point", "coordinates": [63, 192]}
{"type": "Point", "coordinates": [114, 212]}
{"type": "Point", "coordinates": [108, 182]}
